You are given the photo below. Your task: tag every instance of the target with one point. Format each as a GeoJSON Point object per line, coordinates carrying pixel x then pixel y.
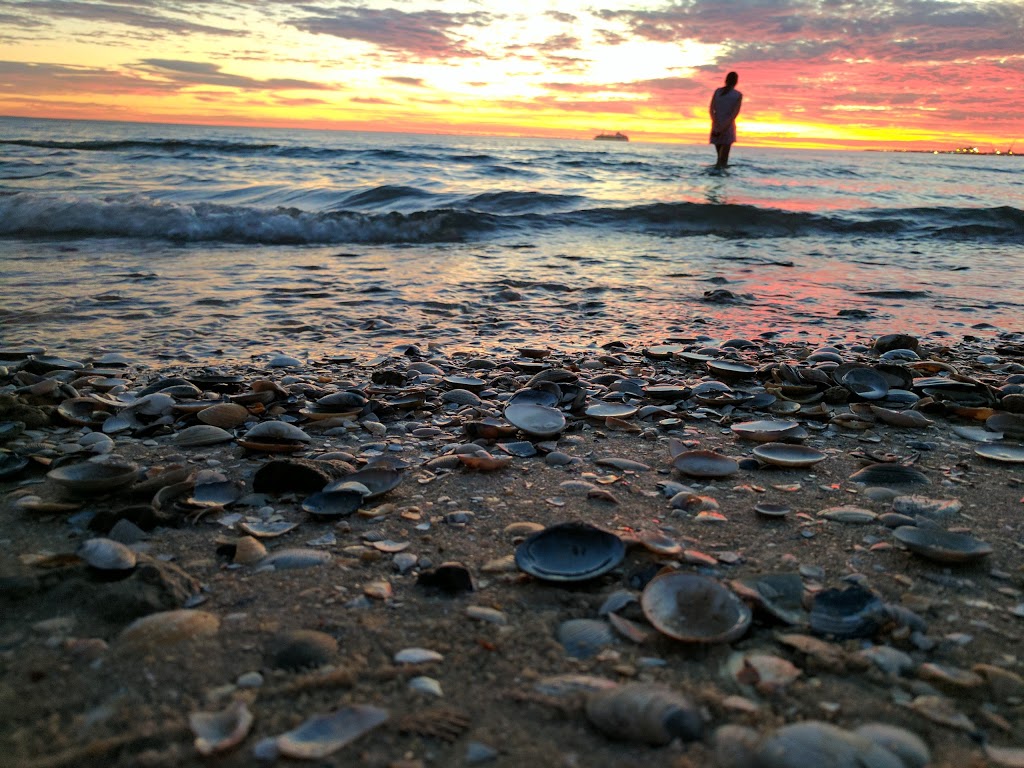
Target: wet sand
{"type": "Point", "coordinates": [82, 685]}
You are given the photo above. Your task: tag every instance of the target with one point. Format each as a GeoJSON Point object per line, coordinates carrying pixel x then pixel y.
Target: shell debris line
{"type": "Point", "coordinates": [739, 552]}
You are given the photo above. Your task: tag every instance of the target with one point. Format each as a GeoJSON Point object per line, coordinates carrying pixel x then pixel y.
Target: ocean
{"type": "Point", "coordinates": [218, 244]}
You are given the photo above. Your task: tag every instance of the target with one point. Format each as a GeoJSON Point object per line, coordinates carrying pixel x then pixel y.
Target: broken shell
{"type": "Point", "coordinates": [705, 464]}
{"type": "Point", "coordinates": [766, 673]}
{"type": "Point", "coordinates": [322, 735]}
{"type": "Point", "coordinates": [107, 555]}
{"type": "Point", "coordinates": [779, 594]}
{"type": "Point", "coordinates": [942, 546]}
{"type": "Point", "coordinates": [889, 474]}
{"type": "Point", "coordinates": [376, 480]}
{"type": "Point", "coordinates": [202, 434]}
{"type": "Point", "coordinates": [847, 613]}
{"type": "Point", "coordinates": [788, 455]}
{"type": "Point", "coordinates": [650, 714]}
{"type": "Point", "coordinates": [90, 477]}
{"type": "Point", "coordinates": [84, 411]}
{"type": "Point", "coordinates": [908, 418]}
{"type": "Point", "coordinates": [694, 609]}
{"type": "Point", "coordinates": [570, 552]}
{"type": "Point", "coordinates": [220, 731]}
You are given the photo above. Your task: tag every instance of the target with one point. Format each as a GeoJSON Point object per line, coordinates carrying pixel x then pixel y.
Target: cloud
{"type": "Point", "coordinates": [131, 14]}
{"type": "Point", "coordinates": [192, 73]}
{"type": "Point", "coordinates": [420, 34]}
{"type": "Point", "coordinates": [416, 82]}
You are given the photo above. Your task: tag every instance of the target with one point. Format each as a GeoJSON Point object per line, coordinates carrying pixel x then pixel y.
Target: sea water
{"type": "Point", "coordinates": [217, 244]}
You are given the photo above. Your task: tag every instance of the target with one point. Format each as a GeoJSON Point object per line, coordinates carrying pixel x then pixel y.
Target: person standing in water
{"type": "Point", "coordinates": [725, 106]}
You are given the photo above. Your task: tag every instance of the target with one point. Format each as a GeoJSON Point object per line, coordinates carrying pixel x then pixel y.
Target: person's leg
{"type": "Point", "coordinates": [723, 155]}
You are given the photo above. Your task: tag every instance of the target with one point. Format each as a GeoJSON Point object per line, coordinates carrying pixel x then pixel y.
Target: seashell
{"type": "Point", "coordinates": [847, 613]}
{"type": "Point", "coordinates": [156, 404]}
{"type": "Point", "coordinates": [933, 509]}
{"type": "Point", "coordinates": [650, 714]}
{"type": "Point", "coordinates": [248, 550]}
{"type": "Point", "coordinates": [223, 415]}
{"type": "Point", "coordinates": [202, 434]}
{"type": "Point", "coordinates": [789, 455]}
{"type": "Point", "coordinates": [848, 514]}
{"type": "Point", "coordinates": [484, 462]}
{"type": "Point", "coordinates": [94, 477]}
{"type": "Point", "coordinates": [537, 420]}
{"type": "Point", "coordinates": [376, 480]}
{"type": "Point", "coordinates": [167, 628]}
{"type": "Point", "coordinates": [1010, 424]}
{"type": "Point", "coordinates": [341, 501]}
{"type": "Point", "coordinates": [910, 419]}
{"type": "Point", "coordinates": [570, 552]}
{"type": "Point", "coordinates": [84, 412]}
{"type": "Point", "coordinates": [813, 743]}
{"type": "Point", "coordinates": [107, 555]}
{"type": "Point", "coordinates": [550, 396]}
{"type": "Point", "coordinates": [778, 594]}
{"type": "Point", "coordinates": [291, 559]}
{"type": "Point", "coordinates": [323, 735]}
{"type": "Point", "coordinates": [219, 493]}
{"type": "Point", "coordinates": [766, 673]}
{"type": "Point", "coordinates": [572, 684]}
{"type": "Point", "coordinates": [629, 629]}
{"type": "Point", "coordinates": [730, 368]}
{"type": "Point", "coordinates": [1008, 454]}
{"type": "Point", "coordinates": [584, 638]}
{"type": "Point", "coordinates": [220, 731]}
{"type": "Point", "coordinates": [766, 509]}
{"type": "Point", "coordinates": [766, 430]}
{"type": "Point", "coordinates": [705, 464]}
{"type": "Point", "coordinates": [488, 428]}
{"type": "Point", "coordinates": [274, 436]}
{"type": "Point", "coordinates": [889, 474]}
{"type": "Point", "coordinates": [977, 434]}
{"type": "Point", "coordinates": [290, 475]}
{"type": "Point", "coordinates": [520, 448]}
{"type": "Point", "coordinates": [426, 685]}
{"type": "Point", "coordinates": [1005, 757]}
{"type": "Point", "coordinates": [942, 546]}
{"type": "Point", "coordinates": [417, 656]}
{"type": "Point", "coordinates": [667, 391]}
{"type": "Point", "coordinates": [694, 609]}
{"type": "Point", "coordinates": [11, 465]}
{"type": "Point", "coordinates": [864, 382]}
{"type": "Point", "coordinates": [266, 530]}
{"type": "Point", "coordinates": [604, 410]}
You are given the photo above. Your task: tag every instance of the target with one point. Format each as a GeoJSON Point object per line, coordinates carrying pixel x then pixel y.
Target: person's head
{"type": "Point", "coordinates": [731, 79]}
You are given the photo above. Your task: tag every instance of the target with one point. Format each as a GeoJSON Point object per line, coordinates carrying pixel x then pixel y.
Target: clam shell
{"type": "Point", "coordinates": [323, 735]}
{"type": "Point", "coordinates": [167, 628]}
{"type": "Point", "coordinates": [292, 559]}
{"type": "Point", "coordinates": [202, 434]}
{"type": "Point", "coordinates": [847, 613]}
{"type": "Point", "coordinates": [220, 731]}
{"type": "Point", "coordinates": [889, 474]}
{"type": "Point", "coordinates": [602, 410]}
{"type": "Point", "coordinates": [224, 415]}
{"type": "Point", "coordinates": [779, 594]}
{"type": "Point", "coordinates": [812, 743]}
{"type": "Point", "coordinates": [536, 420]}
{"type": "Point", "coordinates": [1008, 454]}
{"type": "Point", "coordinates": [694, 609]}
{"type": "Point", "coordinates": [767, 509]}
{"type": "Point", "coordinates": [730, 368]}
{"type": "Point", "coordinates": [585, 638]}
{"type": "Point", "coordinates": [650, 714]}
{"type": "Point", "coordinates": [908, 419]}
{"type": "Point", "coordinates": [570, 552]}
{"type": "Point", "coordinates": [11, 465]}
{"type": "Point", "coordinates": [865, 382]}
{"type": "Point", "coordinates": [107, 555]}
{"type": "Point", "coordinates": [276, 432]}
{"type": "Point", "coordinates": [942, 546]}
{"type": "Point", "coordinates": [788, 455]}
{"type": "Point", "coordinates": [767, 430]}
{"type": "Point", "coordinates": [93, 477]}
{"type": "Point", "coordinates": [84, 412]}
{"type": "Point", "coordinates": [1010, 424]}
{"type": "Point", "coordinates": [907, 746]}
{"type": "Point", "coordinates": [267, 530]}
{"type": "Point", "coordinates": [339, 502]}
{"type": "Point", "coordinates": [376, 480]}
{"type": "Point", "coordinates": [705, 464]}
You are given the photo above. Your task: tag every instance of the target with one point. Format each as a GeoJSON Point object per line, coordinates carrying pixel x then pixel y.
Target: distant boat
{"type": "Point", "coordinates": [617, 136]}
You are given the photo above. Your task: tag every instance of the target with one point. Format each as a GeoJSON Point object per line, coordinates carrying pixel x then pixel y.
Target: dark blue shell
{"type": "Point", "coordinates": [570, 552]}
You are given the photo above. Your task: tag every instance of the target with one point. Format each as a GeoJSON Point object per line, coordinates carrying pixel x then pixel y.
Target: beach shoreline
{"type": "Point", "coordinates": [81, 688]}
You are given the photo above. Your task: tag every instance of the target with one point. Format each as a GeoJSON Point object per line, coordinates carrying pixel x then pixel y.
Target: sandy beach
{"type": "Point", "coordinates": [397, 605]}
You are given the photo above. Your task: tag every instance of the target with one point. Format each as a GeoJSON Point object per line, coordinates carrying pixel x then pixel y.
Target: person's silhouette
{"type": "Point", "coordinates": [725, 106]}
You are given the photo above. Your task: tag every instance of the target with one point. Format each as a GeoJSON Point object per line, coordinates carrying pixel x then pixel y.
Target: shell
{"type": "Point", "coordinates": [788, 455]}
{"type": "Point", "coordinates": [646, 713]}
{"type": "Point", "coordinates": [847, 613]}
{"type": "Point", "coordinates": [584, 638]}
{"type": "Point", "coordinates": [1008, 454]}
{"type": "Point", "coordinates": [908, 419]}
{"type": "Point", "coordinates": [778, 594]}
{"type": "Point", "coordinates": [866, 383]}
{"type": "Point", "coordinates": [705, 464]}
{"type": "Point", "coordinates": [339, 502]}
{"type": "Point", "coordinates": [272, 432]}
{"type": "Point", "coordinates": [602, 410]}
{"type": "Point", "coordinates": [202, 434]}
{"type": "Point", "coordinates": [942, 546]}
{"type": "Point", "coordinates": [322, 735]}
{"type": "Point", "coordinates": [167, 628]}
{"type": "Point", "coordinates": [93, 477]}
{"type": "Point", "coordinates": [84, 411]}
{"type": "Point", "coordinates": [220, 731]}
{"type": "Point", "coordinates": [376, 480]}
{"type": "Point", "coordinates": [224, 415]}
{"type": "Point", "coordinates": [813, 743]}
{"type": "Point", "coordinates": [1010, 424]}
{"type": "Point", "coordinates": [766, 509]}
{"type": "Point", "coordinates": [694, 609]}
{"type": "Point", "coordinates": [570, 552]}
{"type": "Point", "coordinates": [731, 368]}
{"type": "Point", "coordinates": [294, 558]}
{"type": "Point", "coordinates": [219, 493]}
{"type": "Point", "coordinates": [889, 474]}
{"type": "Point", "coordinates": [107, 555]}
{"type": "Point", "coordinates": [766, 430]}
{"type": "Point", "coordinates": [536, 420]}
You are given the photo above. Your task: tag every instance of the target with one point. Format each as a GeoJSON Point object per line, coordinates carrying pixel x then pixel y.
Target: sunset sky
{"type": "Point", "coordinates": [814, 73]}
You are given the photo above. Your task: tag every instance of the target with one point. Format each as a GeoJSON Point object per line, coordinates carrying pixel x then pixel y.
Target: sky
{"type": "Point", "coordinates": [912, 74]}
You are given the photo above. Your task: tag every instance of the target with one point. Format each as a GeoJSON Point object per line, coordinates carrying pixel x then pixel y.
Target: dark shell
{"type": "Point", "coordinates": [847, 613]}
{"type": "Point", "coordinates": [646, 713]}
{"type": "Point", "coordinates": [378, 481]}
{"type": "Point", "coordinates": [585, 638]}
{"type": "Point", "coordinates": [778, 594]}
{"type": "Point", "coordinates": [570, 552]}
{"type": "Point", "coordinates": [694, 609]}
{"type": "Point", "coordinates": [536, 420]}
{"type": "Point", "coordinates": [90, 477]}
{"type": "Point", "coordinates": [705, 464]}
{"type": "Point", "coordinates": [865, 382]}
{"type": "Point", "coordinates": [293, 476]}
{"type": "Point", "coordinates": [338, 502]}
{"type": "Point", "coordinates": [942, 546]}
{"type": "Point", "coordinates": [11, 465]}
{"type": "Point", "coordinates": [889, 474]}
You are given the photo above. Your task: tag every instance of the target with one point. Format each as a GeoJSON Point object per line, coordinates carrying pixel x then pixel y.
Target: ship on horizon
{"type": "Point", "coordinates": [617, 136]}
